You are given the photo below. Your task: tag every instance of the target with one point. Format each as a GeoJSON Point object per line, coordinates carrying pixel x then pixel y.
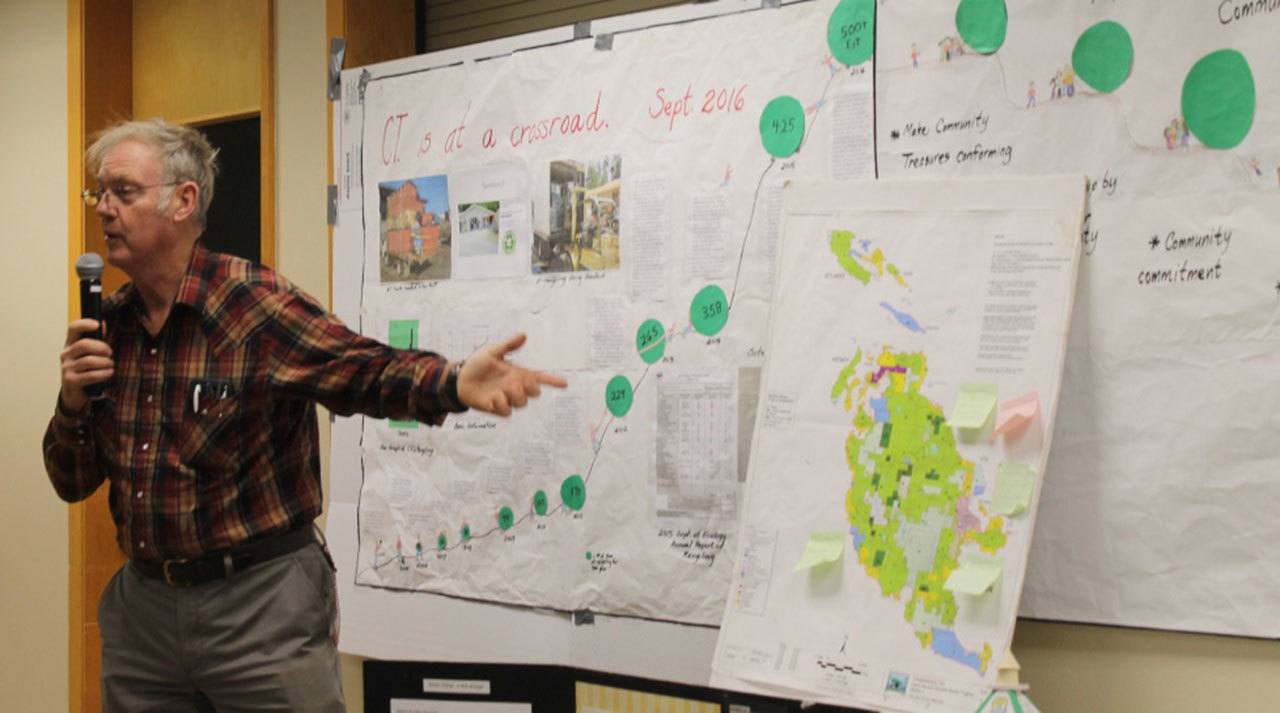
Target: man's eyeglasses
{"type": "Point", "coordinates": [123, 194]}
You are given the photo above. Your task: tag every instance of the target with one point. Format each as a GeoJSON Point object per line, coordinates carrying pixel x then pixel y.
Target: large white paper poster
{"type": "Point", "coordinates": [916, 347]}
{"type": "Point", "coordinates": [616, 200]}
{"type": "Point", "coordinates": [1164, 457]}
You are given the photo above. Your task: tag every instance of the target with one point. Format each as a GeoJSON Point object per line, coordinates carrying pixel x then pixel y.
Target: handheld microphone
{"type": "Point", "coordinates": [89, 269]}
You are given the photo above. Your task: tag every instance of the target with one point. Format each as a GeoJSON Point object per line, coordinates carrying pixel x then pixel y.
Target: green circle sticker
{"type": "Point", "coordinates": [651, 341]}
{"type": "Point", "coordinates": [850, 31]}
{"type": "Point", "coordinates": [466, 533]}
{"type": "Point", "coordinates": [540, 503]}
{"type": "Point", "coordinates": [982, 24]}
{"type": "Point", "coordinates": [782, 126]}
{"type": "Point", "coordinates": [1218, 99]}
{"type": "Point", "coordinates": [618, 396]}
{"type": "Point", "coordinates": [441, 541]}
{"type": "Point", "coordinates": [573, 492]}
{"type": "Point", "coordinates": [1103, 56]}
{"type": "Point", "coordinates": [709, 310]}
{"type": "Point", "coordinates": [506, 518]}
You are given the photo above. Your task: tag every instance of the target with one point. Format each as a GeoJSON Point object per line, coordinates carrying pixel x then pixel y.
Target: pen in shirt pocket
{"type": "Point", "coordinates": [207, 391]}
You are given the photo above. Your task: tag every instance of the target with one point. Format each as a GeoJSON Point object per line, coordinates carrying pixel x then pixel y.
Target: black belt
{"type": "Point", "coordinates": [221, 565]}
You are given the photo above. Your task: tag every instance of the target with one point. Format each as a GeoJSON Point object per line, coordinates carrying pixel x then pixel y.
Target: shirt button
{"type": "Point", "coordinates": [82, 441]}
{"type": "Point", "coordinates": [142, 545]}
{"type": "Point", "coordinates": [153, 351]}
{"type": "Point", "coordinates": [139, 495]}
{"type": "Point", "coordinates": [150, 398]}
{"type": "Point", "coordinates": [145, 446]}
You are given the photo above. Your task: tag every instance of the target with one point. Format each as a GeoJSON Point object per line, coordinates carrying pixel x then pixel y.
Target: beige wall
{"type": "Point", "coordinates": [1095, 669]}
{"type": "Point", "coordinates": [33, 318]}
{"type": "Point", "coordinates": [302, 235]}
{"type": "Point", "coordinates": [1071, 668]}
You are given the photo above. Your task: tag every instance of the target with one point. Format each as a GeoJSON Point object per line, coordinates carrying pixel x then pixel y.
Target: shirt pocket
{"type": "Point", "coordinates": [211, 439]}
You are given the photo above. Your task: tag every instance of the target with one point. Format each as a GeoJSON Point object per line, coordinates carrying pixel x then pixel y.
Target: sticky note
{"type": "Point", "coordinates": [403, 333]}
{"type": "Point", "coordinates": [823, 548]}
{"type": "Point", "coordinates": [1016, 414]}
{"type": "Point", "coordinates": [977, 574]}
{"type": "Point", "coordinates": [1014, 482]}
{"type": "Point", "coordinates": [973, 406]}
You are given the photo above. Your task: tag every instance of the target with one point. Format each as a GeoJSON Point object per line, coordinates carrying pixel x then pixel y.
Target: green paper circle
{"type": "Point", "coordinates": [573, 492]}
{"type": "Point", "coordinates": [441, 541]}
{"type": "Point", "coordinates": [540, 503]}
{"type": "Point", "coordinates": [651, 341]}
{"type": "Point", "coordinates": [506, 518]}
{"type": "Point", "coordinates": [466, 533]}
{"type": "Point", "coordinates": [982, 24]}
{"type": "Point", "coordinates": [1219, 98]}
{"type": "Point", "coordinates": [851, 31]}
{"type": "Point", "coordinates": [709, 310]}
{"type": "Point", "coordinates": [1103, 56]}
{"type": "Point", "coordinates": [782, 126]}
{"type": "Point", "coordinates": [618, 396]}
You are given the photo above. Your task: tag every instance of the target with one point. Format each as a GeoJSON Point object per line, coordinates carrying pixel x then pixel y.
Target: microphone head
{"type": "Point", "coordinates": [89, 266]}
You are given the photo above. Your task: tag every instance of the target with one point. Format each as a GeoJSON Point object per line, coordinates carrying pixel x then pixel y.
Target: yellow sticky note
{"type": "Point", "coordinates": [822, 548]}
{"type": "Point", "coordinates": [1016, 414]}
{"type": "Point", "coordinates": [1014, 482]}
{"type": "Point", "coordinates": [973, 406]}
{"type": "Point", "coordinates": [977, 574]}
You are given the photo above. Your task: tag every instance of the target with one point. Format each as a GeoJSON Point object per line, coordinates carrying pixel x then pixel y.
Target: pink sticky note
{"type": "Point", "coordinates": [1016, 414]}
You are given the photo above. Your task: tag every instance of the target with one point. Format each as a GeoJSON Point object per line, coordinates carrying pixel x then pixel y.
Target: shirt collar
{"type": "Point", "coordinates": [194, 289]}
{"type": "Point", "coordinates": [200, 291]}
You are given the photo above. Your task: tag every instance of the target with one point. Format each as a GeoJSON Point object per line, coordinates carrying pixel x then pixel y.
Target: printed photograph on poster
{"type": "Point", "coordinates": [478, 230]}
{"type": "Point", "coordinates": [414, 229]}
{"type": "Point", "coordinates": [490, 219]}
{"type": "Point", "coordinates": [583, 233]}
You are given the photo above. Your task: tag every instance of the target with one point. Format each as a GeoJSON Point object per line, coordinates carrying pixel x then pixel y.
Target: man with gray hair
{"type": "Point", "coordinates": [210, 370]}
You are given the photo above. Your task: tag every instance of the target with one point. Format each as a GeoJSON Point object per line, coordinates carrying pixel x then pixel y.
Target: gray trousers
{"type": "Point", "coordinates": [263, 640]}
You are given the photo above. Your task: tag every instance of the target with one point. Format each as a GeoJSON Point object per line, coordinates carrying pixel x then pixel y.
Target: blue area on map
{"type": "Point", "coordinates": [979, 488]}
{"type": "Point", "coordinates": [880, 408]}
{"type": "Point", "coordinates": [903, 318]}
{"type": "Point", "coordinates": [866, 244]}
{"type": "Point", "coordinates": [946, 644]}
{"type": "Point", "coordinates": [858, 538]}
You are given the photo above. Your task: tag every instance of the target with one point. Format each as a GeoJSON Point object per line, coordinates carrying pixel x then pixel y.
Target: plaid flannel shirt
{"type": "Point", "coordinates": [208, 434]}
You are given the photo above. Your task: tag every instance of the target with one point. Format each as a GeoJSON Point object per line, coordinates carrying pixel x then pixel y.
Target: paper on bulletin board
{"type": "Point", "coordinates": [888, 308]}
{"type": "Point", "coordinates": [415, 705]}
{"type": "Point", "coordinates": [623, 215]}
{"type": "Point", "coordinates": [1163, 450]}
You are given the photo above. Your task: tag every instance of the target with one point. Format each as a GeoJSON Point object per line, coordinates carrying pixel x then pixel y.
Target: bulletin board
{"type": "Point", "coordinates": [615, 191]}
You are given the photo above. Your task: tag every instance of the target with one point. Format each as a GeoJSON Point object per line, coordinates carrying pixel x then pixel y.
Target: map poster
{"type": "Point", "coordinates": [916, 349]}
